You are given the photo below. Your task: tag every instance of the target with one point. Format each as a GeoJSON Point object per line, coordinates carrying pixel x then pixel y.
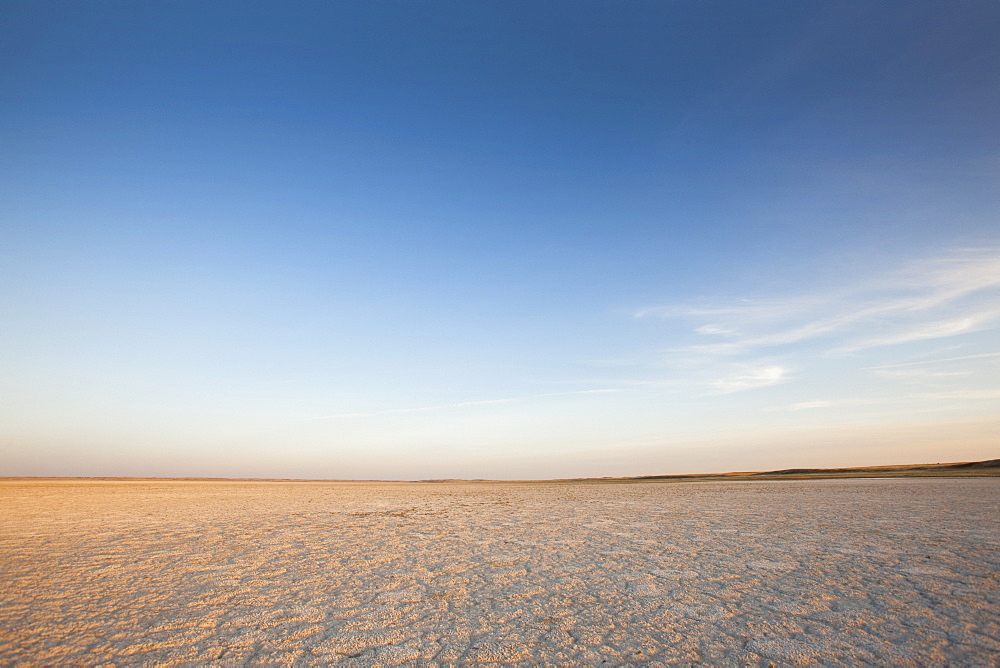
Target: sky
{"type": "Point", "coordinates": [411, 240]}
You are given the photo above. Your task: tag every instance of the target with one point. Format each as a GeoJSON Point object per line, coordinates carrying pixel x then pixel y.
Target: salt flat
{"type": "Point", "coordinates": [900, 572]}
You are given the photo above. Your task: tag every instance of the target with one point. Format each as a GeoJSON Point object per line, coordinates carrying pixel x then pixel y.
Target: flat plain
{"type": "Point", "coordinates": [800, 572]}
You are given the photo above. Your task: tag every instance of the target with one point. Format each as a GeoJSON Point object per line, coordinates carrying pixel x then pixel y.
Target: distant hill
{"type": "Point", "coordinates": [988, 464]}
{"type": "Point", "coordinates": [990, 467]}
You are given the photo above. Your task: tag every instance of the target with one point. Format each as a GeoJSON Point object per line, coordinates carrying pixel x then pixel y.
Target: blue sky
{"type": "Point", "coordinates": [501, 240]}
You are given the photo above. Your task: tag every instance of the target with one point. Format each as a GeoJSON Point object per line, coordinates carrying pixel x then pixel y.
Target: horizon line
{"type": "Point", "coordinates": [982, 465]}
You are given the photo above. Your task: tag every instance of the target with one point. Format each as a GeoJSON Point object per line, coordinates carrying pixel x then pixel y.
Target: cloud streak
{"type": "Point", "coordinates": [751, 378]}
{"type": "Point", "coordinates": [930, 299]}
{"type": "Point", "coordinates": [944, 360]}
{"type": "Point", "coordinates": [809, 405]}
{"type": "Point", "coordinates": [754, 342]}
{"type": "Point", "coordinates": [463, 404]}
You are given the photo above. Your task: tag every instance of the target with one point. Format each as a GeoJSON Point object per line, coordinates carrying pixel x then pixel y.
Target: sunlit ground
{"type": "Point", "coordinates": [903, 571]}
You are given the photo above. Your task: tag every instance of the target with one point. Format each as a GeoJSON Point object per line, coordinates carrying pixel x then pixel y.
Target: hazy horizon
{"type": "Point", "coordinates": [513, 240]}
{"type": "Point", "coordinates": [708, 476]}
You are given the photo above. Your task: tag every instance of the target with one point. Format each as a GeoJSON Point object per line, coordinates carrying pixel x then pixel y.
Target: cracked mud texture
{"type": "Point", "coordinates": [835, 572]}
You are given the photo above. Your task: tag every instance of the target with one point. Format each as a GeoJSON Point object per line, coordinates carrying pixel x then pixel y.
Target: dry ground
{"type": "Point", "coordinates": [885, 572]}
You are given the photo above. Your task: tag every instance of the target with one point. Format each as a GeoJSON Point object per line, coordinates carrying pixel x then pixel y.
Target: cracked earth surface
{"type": "Point", "coordinates": [851, 572]}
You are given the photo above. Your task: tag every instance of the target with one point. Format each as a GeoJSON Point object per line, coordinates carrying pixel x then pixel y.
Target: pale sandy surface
{"type": "Point", "coordinates": [886, 572]}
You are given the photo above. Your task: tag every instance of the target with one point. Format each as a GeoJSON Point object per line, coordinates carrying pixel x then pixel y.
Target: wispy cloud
{"type": "Point", "coordinates": [929, 299]}
{"type": "Point", "coordinates": [716, 329]}
{"type": "Point", "coordinates": [960, 358]}
{"type": "Point", "coordinates": [751, 378]}
{"type": "Point", "coordinates": [807, 405]}
{"type": "Point", "coordinates": [755, 341]}
{"type": "Point", "coordinates": [463, 404]}
{"type": "Point", "coordinates": [940, 329]}
{"type": "Point", "coordinates": [964, 395]}
{"type": "Point", "coordinates": [921, 374]}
